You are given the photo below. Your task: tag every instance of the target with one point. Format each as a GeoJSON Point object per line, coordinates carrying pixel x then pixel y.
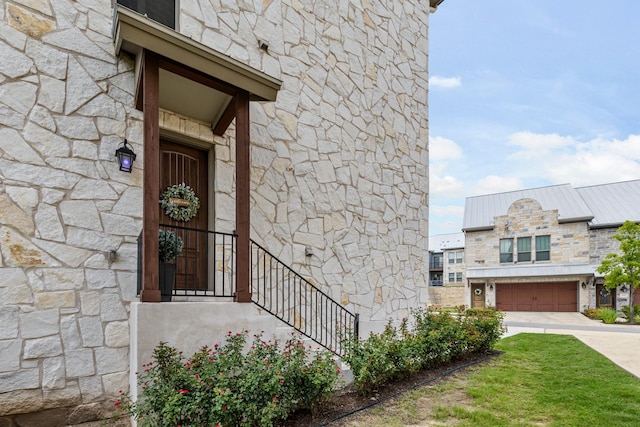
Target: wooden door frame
{"type": "Point", "coordinates": [239, 106]}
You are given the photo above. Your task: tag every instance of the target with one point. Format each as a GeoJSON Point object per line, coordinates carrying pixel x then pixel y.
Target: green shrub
{"type": "Point", "coordinates": [636, 311]}
{"type": "Point", "coordinates": [436, 338]}
{"type": "Point", "coordinates": [227, 386]}
{"type": "Point", "coordinates": [608, 315]}
{"type": "Point", "coordinates": [592, 313]}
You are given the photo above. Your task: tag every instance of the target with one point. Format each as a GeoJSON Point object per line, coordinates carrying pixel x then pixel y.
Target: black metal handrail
{"type": "Point", "coordinates": [206, 266]}
{"type": "Point", "coordinates": [282, 292]}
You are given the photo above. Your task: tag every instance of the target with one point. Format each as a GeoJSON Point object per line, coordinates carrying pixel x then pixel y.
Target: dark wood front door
{"type": "Point", "coordinates": [604, 296]}
{"type": "Point", "coordinates": [178, 164]}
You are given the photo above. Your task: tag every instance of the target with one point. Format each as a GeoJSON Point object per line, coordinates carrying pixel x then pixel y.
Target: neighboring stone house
{"type": "Point", "coordinates": [301, 125]}
{"type": "Point", "coordinates": [538, 249]}
{"type": "Point", "coordinates": [447, 269]}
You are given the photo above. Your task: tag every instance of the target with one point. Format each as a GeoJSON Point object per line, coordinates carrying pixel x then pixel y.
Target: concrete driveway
{"type": "Point", "coordinates": [620, 343]}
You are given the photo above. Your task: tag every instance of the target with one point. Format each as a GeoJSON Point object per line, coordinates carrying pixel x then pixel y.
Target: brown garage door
{"type": "Point", "coordinates": [562, 296]}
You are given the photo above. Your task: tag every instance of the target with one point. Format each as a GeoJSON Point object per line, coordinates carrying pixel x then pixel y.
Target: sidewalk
{"type": "Point", "coordinates": [620, 343]}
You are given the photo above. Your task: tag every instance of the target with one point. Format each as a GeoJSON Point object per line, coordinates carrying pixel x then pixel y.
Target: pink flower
{"type": "Point", "coordinates": [118, 403]}
{"type": "Point", "coordinates": [183, 391]}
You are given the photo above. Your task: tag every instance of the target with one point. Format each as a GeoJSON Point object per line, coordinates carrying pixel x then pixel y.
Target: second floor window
{"type": "Point", "coordinates": [437, 261]}
{"type": "Point", "coordinates": [543, 247]}
{"type": "Point", "coordinates": [524, 249]}
{"type": "Point", "coordinates": [506, 250]}
{"type": "Point", "coordinates": [459, 277]}
{"type": "Point", "coordinates": [452, 277]}
{"type": "Point", "coordinates": [162, 11]}
{"type": "Point", "coordinates": [455, 257]}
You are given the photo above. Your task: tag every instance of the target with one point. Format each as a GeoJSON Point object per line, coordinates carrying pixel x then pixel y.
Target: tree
{"type": "Point", "coordinates": [623, 267]}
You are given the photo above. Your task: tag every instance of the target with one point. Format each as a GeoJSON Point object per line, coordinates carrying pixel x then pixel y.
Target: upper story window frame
{"type": "Point", "coordinates": [524, 249]}
{"type": "Point", "coordinates": [157, 10]}
{"type": "Point", "coordinates": [506, 250]}
{"type": "Point", "coordinates": [543, 248]}
{"type": "Point", "coordinates": [455, 257]}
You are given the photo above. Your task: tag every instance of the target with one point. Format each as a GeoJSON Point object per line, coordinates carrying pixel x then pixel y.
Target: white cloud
{"type": "Point", "coordinates": [442, 148]}
{"type": "Point", "coordinates": [535, 142]}
{"type": "Point", "coordinates": [444, 82]}
{"type": "Point", "coordinates": [445, 186]}
{"type": "Point", "coordinates": [496, 184]}
{"type": "Point", "coordinates": [447, 210]}
{"type": "Point", "coordinates": [596, 162]}
{"type": "Point", "coordinates": [564, 159]}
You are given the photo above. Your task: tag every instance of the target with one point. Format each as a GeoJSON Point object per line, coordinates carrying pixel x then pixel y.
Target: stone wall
{"type": "Point", "coordinates": [68, 218]}
{"type": "Point", "coordinates": [449, 295]}
{"type": "Point", "coordinates": [601, 244]}
{"type": "Point", "coordinates": [525, 218]}
{"type": "Point", "coordinates": [339, 161]}
{"type": "Point", "coordinates": [339, 165]}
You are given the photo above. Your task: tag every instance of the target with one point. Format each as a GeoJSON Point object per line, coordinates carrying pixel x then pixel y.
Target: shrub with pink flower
{"type": "Point", "coordinates": [230, 386]}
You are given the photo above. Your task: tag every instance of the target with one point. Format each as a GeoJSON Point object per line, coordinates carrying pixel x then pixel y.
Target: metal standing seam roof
{"type": "Point", "coordinates": [442, 242]}
{"type": "Point", "coordinates": [480, 211]}
{"type": "Point", "coordinates": [612, 204]}
{"type": "Point", "coordinates": [532, 270]}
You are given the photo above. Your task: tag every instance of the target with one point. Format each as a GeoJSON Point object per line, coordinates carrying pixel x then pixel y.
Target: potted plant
{"type": "Point", "coordinates": [169, 247]}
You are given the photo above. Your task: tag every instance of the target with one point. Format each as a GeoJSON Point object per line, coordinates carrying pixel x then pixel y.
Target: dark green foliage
{"type": "Point", "coordinates": [436, 338]}
{"type": "Point", "coordinates": [226, 385]}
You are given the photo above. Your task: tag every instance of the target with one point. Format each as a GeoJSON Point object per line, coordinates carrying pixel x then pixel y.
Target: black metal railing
{"type": "Point", "coordinates": [282, 292]}
{"type": "Point", "coordinates": [205, 265]}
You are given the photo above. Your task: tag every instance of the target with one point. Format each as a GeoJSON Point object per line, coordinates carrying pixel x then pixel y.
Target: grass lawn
{"type": "Point", "coordinates": [541, 380]}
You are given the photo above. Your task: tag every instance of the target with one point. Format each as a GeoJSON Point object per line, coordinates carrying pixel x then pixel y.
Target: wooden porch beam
{"type": "Point", "coordinates": [225, 120]}
{"type": "Point", "coordinates": [150, 178]}
{"type": "Point", "coordinates": [243, 184]}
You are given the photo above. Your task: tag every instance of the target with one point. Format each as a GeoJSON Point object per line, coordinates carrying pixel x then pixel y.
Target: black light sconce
{"type": "Point", "coordinates": [584, 285]}
{"type": "Point", "coordinates": [623, 288]}
{"type": "Point", "coordinates": [126, 157]}
{"type": "Point", "coordinates": [491, 287]}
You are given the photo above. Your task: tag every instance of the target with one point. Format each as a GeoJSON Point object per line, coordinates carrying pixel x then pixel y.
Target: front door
{"type": "Point", "coordinates": [604, 296]}
{"type": "Point", "coordinates": [181, 164]}
{"type": "Point", "coordinates": [477, 295]}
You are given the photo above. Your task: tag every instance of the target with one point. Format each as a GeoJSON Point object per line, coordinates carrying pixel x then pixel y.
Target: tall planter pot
{"type": "Point", "coordinates": [167, 278]}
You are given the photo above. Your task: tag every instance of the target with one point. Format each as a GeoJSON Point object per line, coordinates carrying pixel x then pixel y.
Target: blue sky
{"type": "Point", "coordinates": [529, 93]}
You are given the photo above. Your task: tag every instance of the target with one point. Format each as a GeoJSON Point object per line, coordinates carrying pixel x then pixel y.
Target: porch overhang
{"type": "Point", "coordinates": [200, 98]}
{"type": "Point", "coordinates": [186, 77]}
{"type": "Point", "coordinates": [531, 271]}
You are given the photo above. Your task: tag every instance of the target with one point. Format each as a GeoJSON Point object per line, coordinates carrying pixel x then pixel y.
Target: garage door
{"type": "Point", "coordinates": [562, 296]}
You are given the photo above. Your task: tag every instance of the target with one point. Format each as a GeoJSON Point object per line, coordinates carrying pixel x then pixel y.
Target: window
{"type": "Point", "coordinates": [452, 277]}
{"type": "Point", "coordinates": [524, 249]}
{"type": "Point", "coordinates": [437, 261]}
{"type": "Point", "coordinates": [543, 244]}
{"type": "Point", "coordinates": [459, 277]}
{"type": "Point", "coordinates": [162, 11]}
{"type": "Point", "coordinates": [455, 257]}
{"type": "Point", "coordinates": [506, 250]}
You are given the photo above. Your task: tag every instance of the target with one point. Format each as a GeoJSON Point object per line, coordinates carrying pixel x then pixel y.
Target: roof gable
{"type": "Point", "coordinates": [480, 211]}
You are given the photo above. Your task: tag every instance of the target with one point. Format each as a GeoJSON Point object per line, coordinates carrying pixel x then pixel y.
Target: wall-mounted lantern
{"type": "Point", "coordinates": [126, 157]}
{"type": "Point", "coordinates": [623, 289]}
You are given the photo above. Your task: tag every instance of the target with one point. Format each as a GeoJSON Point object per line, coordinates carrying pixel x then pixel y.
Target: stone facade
{"type": "Point", "coordinates": [526, 218]}
{"type": "Point", "coordinates": [339, 165]}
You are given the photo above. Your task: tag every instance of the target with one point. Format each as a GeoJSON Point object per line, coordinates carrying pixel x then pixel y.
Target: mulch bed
{"type": "Point", "coordinates": [348, 401]}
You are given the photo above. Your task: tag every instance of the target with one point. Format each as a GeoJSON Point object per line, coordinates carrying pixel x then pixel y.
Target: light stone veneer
{"type": "Point", "coordinates": [339, 164]}
{"type": "Point", "coordinates": [526, 218]}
